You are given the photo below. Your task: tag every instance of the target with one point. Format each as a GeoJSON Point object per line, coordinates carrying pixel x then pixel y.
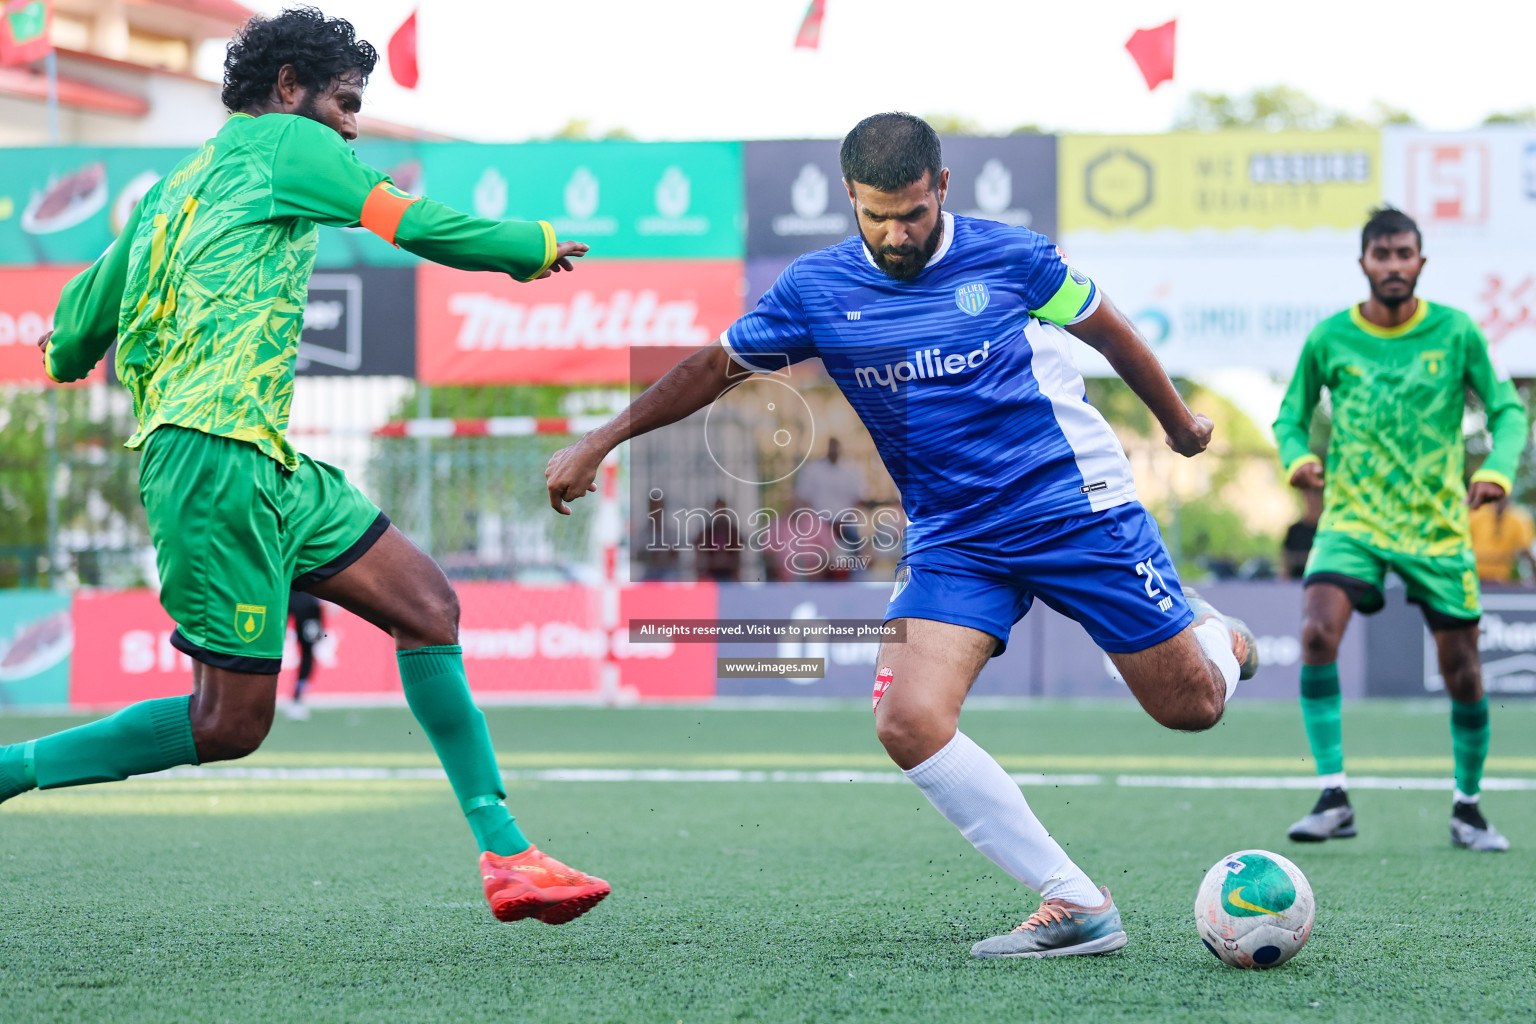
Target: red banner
{"type": "Point", "coordinates": [28, 296]}
{"type": "Point", "coordinates": [538, 642]}
{"type": "Point", "coordinates": [570, 328]}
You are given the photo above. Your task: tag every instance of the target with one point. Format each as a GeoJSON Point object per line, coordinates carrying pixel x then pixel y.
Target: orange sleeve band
{"type": "Point", "coordinates": [383, 209]}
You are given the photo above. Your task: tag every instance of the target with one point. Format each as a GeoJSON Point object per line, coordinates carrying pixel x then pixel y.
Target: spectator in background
{"type": "Point", "coordinates": [835, 490]}
{"type": "Point", "coordinates": [799, 546]}
{"type": "Point", "coordinates": [1298, 538]}
{"type": "Point", "coordinates": [652, 551]}
{"type": "Point", "coordinates": [1502, 535]}
{"type": "Point", "coordinates": [308, 627]}
{"type": "Point", "coordinates": [717, 546]}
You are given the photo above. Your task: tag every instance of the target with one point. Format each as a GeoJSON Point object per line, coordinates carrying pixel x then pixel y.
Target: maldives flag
{"type": "Point", "coordinates": [1152, 49]}
{"type": "Point", "coordinates": [402, 54]}
{"type": "Point", "coordinates": [809, 36]}
{"type": "Point", "coordinates": [24, 30]}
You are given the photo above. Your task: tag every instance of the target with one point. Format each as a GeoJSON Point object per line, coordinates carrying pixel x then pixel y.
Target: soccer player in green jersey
{"type": "Point", "coordinates": [204, 292]}
{"type": "Point", "coordinates": [1397, 368]}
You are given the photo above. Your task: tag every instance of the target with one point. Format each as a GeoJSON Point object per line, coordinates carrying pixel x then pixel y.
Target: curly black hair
{"type": "Point", "coordinates": [321, 50]}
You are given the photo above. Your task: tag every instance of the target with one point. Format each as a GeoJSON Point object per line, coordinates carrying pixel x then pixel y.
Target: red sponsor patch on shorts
{"type": "Point", "coordinates": [882, 683]}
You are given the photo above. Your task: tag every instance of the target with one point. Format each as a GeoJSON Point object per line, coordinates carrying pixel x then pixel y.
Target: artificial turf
{"type": "Point", "coordinates": [342, 900]}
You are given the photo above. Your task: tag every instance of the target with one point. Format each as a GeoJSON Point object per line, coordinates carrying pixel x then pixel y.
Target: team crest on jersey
{"type": "Point", "coordinates": [250, 620]}
{"type": "Point", "coordinates": [972, 298]}
{"type": "Point", "coordinates": [1434, 362]}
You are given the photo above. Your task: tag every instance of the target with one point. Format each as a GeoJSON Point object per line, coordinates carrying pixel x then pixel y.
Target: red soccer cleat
{"type": "Point", "coordinates": [534, 884]}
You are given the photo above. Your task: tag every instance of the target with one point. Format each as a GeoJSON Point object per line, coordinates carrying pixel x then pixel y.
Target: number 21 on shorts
{"type": "Point", "coordinates": [1152, 581]}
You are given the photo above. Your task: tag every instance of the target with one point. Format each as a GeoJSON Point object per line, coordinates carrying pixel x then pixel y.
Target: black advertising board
{"type": "Point", "coordinates": [360, 321]}
{"type": "Point", "coordinates": [796, 200]}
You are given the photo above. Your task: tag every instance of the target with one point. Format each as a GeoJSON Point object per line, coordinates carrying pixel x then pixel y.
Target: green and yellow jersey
{"type": "Point", "coordinates": [1394, 475]}
{"type": "Point", "coordinates": [205, 288]}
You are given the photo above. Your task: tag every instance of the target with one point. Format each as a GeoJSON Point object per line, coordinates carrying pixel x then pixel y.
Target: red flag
{"type": "Point", "coordinates": [24, 28]}
{"type": "Point", "coordinates": [809, 36]}
{"type": "Point", "coordinates": [1153, 50]}
{"type": "Point", "coordinates": [402, 54]}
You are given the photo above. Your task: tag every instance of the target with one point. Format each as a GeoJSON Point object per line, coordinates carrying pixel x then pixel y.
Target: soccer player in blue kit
{"type": "Point", "coordinates": [950, 338]}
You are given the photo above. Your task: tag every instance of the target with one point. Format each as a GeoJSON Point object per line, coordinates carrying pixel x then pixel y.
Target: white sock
{"type": "Point", "coordinates": [1216, 640]}
{"type": "Point", "coordinates": [1337, 780]}
{"type": "Point", "coordinates": [1459, 796]}
{"type": "Point", "coordinates": [976, 796]}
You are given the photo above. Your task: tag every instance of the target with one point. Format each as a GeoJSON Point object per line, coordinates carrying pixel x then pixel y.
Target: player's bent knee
{"type": "Point", "coordinates": [436, 621]}
{"type": "Point", "coordinates": [229, 741]}
{"type": "Point", "coordinates": [1319, 642]}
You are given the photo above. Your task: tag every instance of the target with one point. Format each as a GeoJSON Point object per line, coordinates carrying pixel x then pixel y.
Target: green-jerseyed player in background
{"type": "Point", "coordinates": [1398, 369]}
{"type": "Point", "coordinates": [204, 292]}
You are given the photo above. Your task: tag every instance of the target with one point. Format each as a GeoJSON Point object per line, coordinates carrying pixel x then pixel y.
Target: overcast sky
{"type": "Point", "coordinates": [506, 70]}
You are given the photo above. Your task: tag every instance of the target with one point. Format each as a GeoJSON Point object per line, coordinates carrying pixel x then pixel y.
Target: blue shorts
{"type": "Point", "coordinates": [1108, 570]}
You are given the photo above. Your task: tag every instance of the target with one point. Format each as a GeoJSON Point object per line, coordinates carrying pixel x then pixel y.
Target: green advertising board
{"type": "Point", "coordinates": [629, 200]}
{"type": "Point", "coordinates": [625, 199]}
{"type": "Point", "coordinates": [66, 204]}
{"type": "Point", "coordinates": [36, 639]}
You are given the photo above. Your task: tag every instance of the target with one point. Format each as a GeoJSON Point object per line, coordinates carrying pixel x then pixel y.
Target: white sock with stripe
{"type": "Point", "coordinates": [973, 792]}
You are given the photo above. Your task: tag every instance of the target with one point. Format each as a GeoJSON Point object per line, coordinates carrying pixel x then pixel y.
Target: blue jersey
{"type": "Point", "coordinates": [962, 376]}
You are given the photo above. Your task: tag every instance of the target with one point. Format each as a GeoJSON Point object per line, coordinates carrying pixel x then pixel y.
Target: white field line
{"type": "Point", "coordinates": [1228, 782]}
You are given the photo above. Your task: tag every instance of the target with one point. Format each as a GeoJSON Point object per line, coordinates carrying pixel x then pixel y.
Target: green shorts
{"type": "Point", "coordinates": [234, 531]}
{"type": "Point", "coordinates": [1444, 586]}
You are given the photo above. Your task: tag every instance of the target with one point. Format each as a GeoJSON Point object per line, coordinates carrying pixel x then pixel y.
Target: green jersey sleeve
{"type": "Point", "coordinates": [1293, 425]}
{"type": "Point", "coordinates": [316, 175]}
{"type": "Point", "coordinates": [1507, 421]}
{"type": "Point", "coordinates": [85, 323]}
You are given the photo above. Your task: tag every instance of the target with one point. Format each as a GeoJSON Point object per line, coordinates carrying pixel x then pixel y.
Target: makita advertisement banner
{"type": "Point", "coordinates": [626, 200]}
{"type": "Point", "coordinates": [570, 328]}
{"type": "Point", "coordinates": [1473, 195]}
{"type": "Point", "coordinates": [796, 199]}
{"type": "Point", "coordinates": [360, 320]}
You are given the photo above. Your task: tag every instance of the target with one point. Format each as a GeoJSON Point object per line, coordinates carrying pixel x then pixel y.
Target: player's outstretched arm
{"type": "Point", "coordinates": [316, 175]}
{"type": "Point", "coordinates": [85, 323]}
{"type": "Point", "coordinates": [688, 387]}
{"type": "Point", "coordinates": [1116, 338]}
{"type": "Point", "coordinates": [1293, 425]}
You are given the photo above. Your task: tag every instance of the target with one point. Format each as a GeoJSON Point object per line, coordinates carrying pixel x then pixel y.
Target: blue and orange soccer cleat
{"type": "Point", "coordinates": [534, 884]}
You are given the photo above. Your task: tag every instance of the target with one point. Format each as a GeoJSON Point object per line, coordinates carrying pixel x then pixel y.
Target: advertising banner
{"type": "Point", "coordinates": [1048, 654]}
{"type": "Point", "coordinates": [1473, 195]}
{"type": "Point", "coordinates": [28, 296]}
{"type": "Point", "coordinates": [624, 199]}
{"type": "Point", "coordinates": [1506, 645]}
{"type": "Point", "coordinates": [849, 667]}
{"type": "Point", "coordinates": [37, 637]}
{"type": "Point", "coordinates": [360, 321]}
{"type": "Point", "coordinates": [796, 199]}
{"type": "Point", "coordinates": [570, 328]}
{"type": "Point", "coordinates": [761, 273]}
{"type": "Point", "coordinates": [519, 643]}
{"type": "Point", "coordinates": [66, 204]}
{"type": "Point", "coordinates": [1235, 179]}
{"type": "Point", "coordinates": [1206, 302]}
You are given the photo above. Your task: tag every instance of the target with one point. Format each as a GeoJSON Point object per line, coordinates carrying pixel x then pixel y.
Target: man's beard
{"type": "Point", "coordinates": [1393, 301]}
{"type": "Point", "coordinates": [908, 268]}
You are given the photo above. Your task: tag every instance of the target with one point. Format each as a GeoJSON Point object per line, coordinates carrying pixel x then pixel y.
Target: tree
{"type": "Point", "coordinates": [954, 124]}
{"type": "Point", "coordinates": [1524, 116]}
{"type": "Point", "coordinates": [1276, 108]}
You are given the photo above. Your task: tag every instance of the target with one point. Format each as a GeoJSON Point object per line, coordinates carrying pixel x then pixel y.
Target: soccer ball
{"type": "Point", "coordinates": [1254, 909]}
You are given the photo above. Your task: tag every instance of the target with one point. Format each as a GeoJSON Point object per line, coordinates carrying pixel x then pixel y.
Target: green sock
{"type": "Point", "coordinates": [1320, 714]}
{"type": "Point", "coordinates": [1469, 743]}
{"type": "Point", "coordinates": [146, 737]}
{"type": "Point", "coordinates": [438, 693]}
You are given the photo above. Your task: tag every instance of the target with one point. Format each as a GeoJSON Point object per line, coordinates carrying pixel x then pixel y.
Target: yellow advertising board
{"type": "Point", "coordinates": [1218, 180]}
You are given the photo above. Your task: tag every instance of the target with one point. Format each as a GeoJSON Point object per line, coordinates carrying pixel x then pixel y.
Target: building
{"type": "Point", "coordinates": [128, 75]}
